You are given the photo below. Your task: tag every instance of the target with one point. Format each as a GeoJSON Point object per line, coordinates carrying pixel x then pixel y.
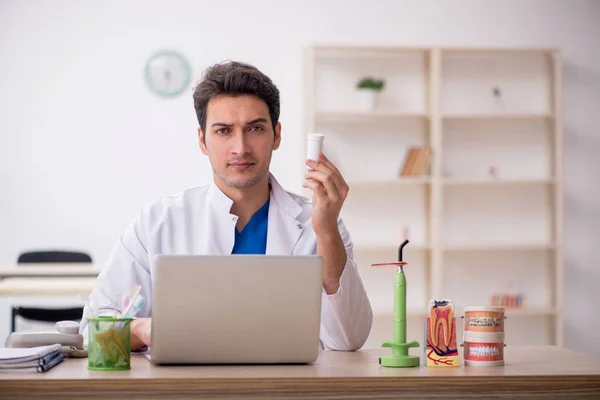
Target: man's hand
{"type": "Point", "coordinates": [141, 332]}
{"type": "Point", "coordinates": [329, 193]}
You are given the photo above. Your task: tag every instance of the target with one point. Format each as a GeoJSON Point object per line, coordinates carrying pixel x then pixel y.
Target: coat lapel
{"type": "Point", "coordinates": [284, 229]}
{"type": "Point", "coordinates": [218, 224]}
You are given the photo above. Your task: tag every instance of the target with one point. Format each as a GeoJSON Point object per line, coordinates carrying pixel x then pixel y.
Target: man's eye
{"type": "Point", "coordinates": [222, 131]}
{"type": "Point", "coordinates": [257, 128]}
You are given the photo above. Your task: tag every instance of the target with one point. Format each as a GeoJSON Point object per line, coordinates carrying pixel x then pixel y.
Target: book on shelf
{"type": "Point", "coordinates": [416, 162]}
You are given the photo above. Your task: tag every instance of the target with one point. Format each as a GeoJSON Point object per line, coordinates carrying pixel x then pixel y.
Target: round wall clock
{"type": "Point", "coordinates": [167, 73]}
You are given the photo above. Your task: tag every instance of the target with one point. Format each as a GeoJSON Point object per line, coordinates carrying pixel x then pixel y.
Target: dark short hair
{"type": "Point", "coordinates": [234, 78]}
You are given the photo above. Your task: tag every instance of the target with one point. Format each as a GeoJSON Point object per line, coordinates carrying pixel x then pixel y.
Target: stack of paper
{"type": "Point", "coordinates": [38, 359]}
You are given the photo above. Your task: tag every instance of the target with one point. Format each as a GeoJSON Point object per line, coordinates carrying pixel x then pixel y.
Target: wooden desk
{"type": "Point", "coordinates": [542, 372]}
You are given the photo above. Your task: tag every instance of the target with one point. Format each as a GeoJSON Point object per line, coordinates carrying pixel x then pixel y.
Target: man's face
{"type": "Point", "coordinates": [239, 139]}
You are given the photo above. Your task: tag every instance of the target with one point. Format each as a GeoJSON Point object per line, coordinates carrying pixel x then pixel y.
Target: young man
{"type": "Point", "coordinates": [244, 211]}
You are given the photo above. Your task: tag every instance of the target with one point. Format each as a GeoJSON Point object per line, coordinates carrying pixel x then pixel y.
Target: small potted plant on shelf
{"type": "Point", "coordinates": [368, 89]}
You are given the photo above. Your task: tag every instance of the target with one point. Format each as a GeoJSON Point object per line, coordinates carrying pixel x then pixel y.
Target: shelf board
{"type": "Point", "coordinates": [417, 180]}
{"type": "Point", "coordinates": [389, 247]}
{"type": "Point", "coordinates": [370, 51]}
{"type": "Point", "coordinates": [456, 248]}
{"type": "Point", "coordinates": [415, 312]}
{"type": "Point", "coordinates": [362, 116]}
{"type": "Point", "coordinates": [495, 116]}
{"type": "Point", "coordinates": [458, 311]}
{"type": "Point", "coordinates": [533, 311]}
{"type": "Point", "coordinates": [495, 181]}
{"type": "Point", "coordinates": [497, 51]}
{"type": "Point", "coordinates": [374, 51]}
{"type": "Point", "coordinates": [499, 247]}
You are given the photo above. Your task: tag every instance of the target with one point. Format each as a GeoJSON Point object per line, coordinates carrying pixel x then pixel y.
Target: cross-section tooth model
{"type": "Point", "coordinates": [440, 335]}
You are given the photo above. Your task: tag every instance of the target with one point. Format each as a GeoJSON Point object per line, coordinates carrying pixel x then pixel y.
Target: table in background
{"type": "Point", "coordinates": [535, 372]}
{"type": "Point", "coordinates": [48, 284]}
{"type": "Point", "coordinates": [40, 270]}
{"type": "Point", "coordinates": [48, 279]}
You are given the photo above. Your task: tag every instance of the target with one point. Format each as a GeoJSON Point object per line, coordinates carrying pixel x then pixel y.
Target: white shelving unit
{"type": "Point", "coordinates": [473, 233]}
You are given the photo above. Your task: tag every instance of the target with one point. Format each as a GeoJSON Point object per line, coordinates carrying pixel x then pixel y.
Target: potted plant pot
{"type": "Point", "coordinates": [368, 89]}
{"type": "Point", "coordinates": [367, 99]}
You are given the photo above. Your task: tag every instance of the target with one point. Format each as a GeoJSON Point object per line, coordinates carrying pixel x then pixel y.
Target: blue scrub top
{"type": "Point", "coordinates": [253, 238]}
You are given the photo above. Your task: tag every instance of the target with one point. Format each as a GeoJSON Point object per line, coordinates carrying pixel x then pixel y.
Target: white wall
{"type": "Point", "coordinates": [83, 144]}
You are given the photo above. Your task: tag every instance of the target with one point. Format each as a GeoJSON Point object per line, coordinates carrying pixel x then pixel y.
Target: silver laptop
{"type": "Point", "coordinates": [236, 309]}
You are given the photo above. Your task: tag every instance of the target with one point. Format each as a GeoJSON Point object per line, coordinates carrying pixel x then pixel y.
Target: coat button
{"type": "Point", "coordinates": [299, 226]}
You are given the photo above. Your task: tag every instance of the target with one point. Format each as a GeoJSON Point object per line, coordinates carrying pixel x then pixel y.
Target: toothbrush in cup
{"type": "Point", "coordinates": [132, 300]}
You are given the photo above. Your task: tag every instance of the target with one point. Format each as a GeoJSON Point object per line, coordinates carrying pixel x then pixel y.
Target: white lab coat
{"type": "Point", "coordinates": [199, 221]}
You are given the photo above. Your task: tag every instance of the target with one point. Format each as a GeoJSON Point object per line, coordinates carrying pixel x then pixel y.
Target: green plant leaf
{"type": "Point", "coordinates": [369, 82]}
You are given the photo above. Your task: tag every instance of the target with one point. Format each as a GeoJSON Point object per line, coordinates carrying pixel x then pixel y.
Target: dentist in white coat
{"type": "Point", "coordinates": [244, 210]}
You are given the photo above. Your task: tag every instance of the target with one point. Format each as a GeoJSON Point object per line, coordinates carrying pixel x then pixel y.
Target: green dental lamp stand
{"type": "Point", "coordinates": [400, 356]}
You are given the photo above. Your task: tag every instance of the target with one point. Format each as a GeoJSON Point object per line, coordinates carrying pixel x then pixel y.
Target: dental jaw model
{"type": "Point", "coordinates": [440, 335]}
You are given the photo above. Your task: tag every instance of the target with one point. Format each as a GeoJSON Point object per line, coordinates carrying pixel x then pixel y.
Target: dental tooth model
{"type": "Point", "coordinates": [440, 335]}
